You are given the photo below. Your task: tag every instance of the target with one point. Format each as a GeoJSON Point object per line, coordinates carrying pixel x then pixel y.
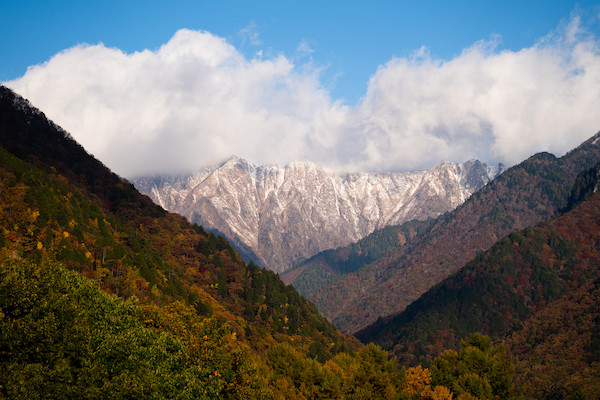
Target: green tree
{"type": "Point", "coordinates": [61, 337]}
{"type": "Point", "coordinates": [479, 369]}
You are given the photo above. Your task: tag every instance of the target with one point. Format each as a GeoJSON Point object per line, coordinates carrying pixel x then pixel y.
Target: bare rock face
{"type": "Point", "coordinates": [284, 215]}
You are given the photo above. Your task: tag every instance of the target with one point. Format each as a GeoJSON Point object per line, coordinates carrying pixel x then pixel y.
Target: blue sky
{"type": "Point", "coordinates": [368, 85]}
{"type": "Point", "coordinates": [348, 38]}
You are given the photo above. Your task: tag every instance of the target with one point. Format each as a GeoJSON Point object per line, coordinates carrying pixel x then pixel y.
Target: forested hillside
{"type": "Point", "coordinates": [524, 195]}
{"type": "Point", "coordinates": [310, 276]}
{"type": "Point", "coordinates": [537, 288]}
{"type": "Point", "coordinates": [65, 205]}
{"type": "Point", "coordinates": [557, 350]}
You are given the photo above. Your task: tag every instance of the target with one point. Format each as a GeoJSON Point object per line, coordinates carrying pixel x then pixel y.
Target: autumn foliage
{"type": "Point", "coordinates": [105, 295]}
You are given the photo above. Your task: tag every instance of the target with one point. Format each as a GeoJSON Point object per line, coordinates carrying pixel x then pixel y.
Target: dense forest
{"type": "Point", "coordinates": [536, 290]}
{"type": "Point", "coordinates": [105, 295]}
{"type": "Point", "coordinates": [62, 337]}
{"type": "Point", "coordinates": [325, 267]}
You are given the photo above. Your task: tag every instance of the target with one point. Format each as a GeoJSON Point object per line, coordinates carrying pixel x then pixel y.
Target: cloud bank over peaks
{"type": "Point", "coordinates": [487, 104]}
{"type": "Point", "coordinates": [192, 102]}
{"type": "Point", "coordinates": [196, 100]}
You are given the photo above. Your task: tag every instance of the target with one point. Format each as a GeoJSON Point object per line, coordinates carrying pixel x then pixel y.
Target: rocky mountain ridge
{"type": "Point", "coordinates": [410, 261]}
{"type": "Point", "coordinates": [280, 216]}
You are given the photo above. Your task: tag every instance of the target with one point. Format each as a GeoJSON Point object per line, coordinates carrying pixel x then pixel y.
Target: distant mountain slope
{"type": "Point", "coordinates": [520, 274]}
{"type": "Point", "coordinates": [323, 268]}
{"type": "Point", "coordinates": [538, 288]}
{"type": "Point", "coordinates": [283, 215]}
{"type": "Point", "coordinates": [557, 349]}
{"type": "Point", "coordinates": [524, 195]}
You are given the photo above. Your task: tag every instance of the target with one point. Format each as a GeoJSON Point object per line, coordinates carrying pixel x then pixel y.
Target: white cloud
{"type": "Point", "coordinates": [192, 102]}
{"type": "Point", "coordinates": [251, 34]}
{"type": "Point", "coordinates": [197, 100]}
{"type": "Point", "coordinates": [304, 48]}
{"type": "Point", "coordinates": [487, 104]}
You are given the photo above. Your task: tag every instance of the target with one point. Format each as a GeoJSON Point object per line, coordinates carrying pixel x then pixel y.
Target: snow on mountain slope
{"type": "Point", "coordinates": [287, 214]}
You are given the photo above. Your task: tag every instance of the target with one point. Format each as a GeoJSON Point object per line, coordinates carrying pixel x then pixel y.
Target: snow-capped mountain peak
{"type": "Point", "coordinates": [284, 214]}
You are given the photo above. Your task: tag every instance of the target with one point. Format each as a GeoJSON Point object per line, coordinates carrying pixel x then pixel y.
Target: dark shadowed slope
{"type": "Point", "coordinates": [524, 195]}
{"type": "Point", "coordinates": [501, 288]}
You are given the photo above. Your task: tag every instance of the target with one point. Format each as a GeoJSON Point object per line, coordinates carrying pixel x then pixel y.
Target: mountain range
{"type": "Point", "coordinates": [382, 274]}
{"type": "Point", "coordinates": [104, 294]}
{"type": "Point", "coordinates": [537, 290]}
{"type": "Point", "coordinates": [280, 216]}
